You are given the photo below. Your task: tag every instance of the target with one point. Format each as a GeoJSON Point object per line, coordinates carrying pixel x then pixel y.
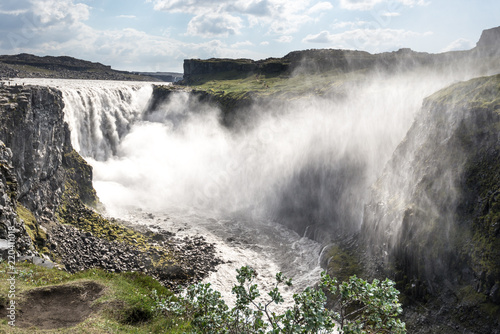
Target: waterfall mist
{"type": "Point", "coordinates": [305, 162]}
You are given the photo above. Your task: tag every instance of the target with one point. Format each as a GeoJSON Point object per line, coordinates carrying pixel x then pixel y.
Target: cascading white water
{"type": "Point", "coordinates": [306, 162]}
{"type": "Point", "coordinates": [101, 114]}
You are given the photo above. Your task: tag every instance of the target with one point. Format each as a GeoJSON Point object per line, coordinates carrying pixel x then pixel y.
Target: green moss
{"type": "Point", "coordinates": [73, 212]}
{"type": "Point", "coordinates": [468, 296]}
{"type": "Point", "coordinates": [343, 263]}
{"type": "Point", "coordinates": [482, 179]}
{"type": "Point", "coordinates": [35, 232]}
{"type": "Point", "coordinates": [11, 183]}
{"type": "Point", "coordinates": [480, 93]}
{"type": "Point", "coordinates": [237, 86]}
{"type": "Point", "coordinates": [492, 310]}
{"type": "Point", "coordinates": [79, 194]}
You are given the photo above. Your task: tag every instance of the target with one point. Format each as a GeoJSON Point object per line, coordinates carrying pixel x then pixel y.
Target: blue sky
{"type": "Point", "coordinates": [156, 35]}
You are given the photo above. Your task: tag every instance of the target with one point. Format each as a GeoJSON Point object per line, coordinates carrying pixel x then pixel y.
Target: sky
{"type": "Point", "coordinates": [157, 35]}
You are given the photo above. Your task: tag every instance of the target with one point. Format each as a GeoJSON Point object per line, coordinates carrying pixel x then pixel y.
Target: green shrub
{"type": "Point", "coordinates": [360, 307]}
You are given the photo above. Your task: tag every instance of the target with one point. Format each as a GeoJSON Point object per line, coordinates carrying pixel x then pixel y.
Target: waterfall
{"type": "Point", "coordinates": [100, 115]}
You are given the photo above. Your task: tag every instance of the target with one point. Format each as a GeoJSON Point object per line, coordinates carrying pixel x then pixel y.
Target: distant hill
{"type": "Point", "coordinates": [200, 71]}
{"type": "Point", "coordinates": [163, 76]}
{"type": "Point", "coordinates": [30, 66]}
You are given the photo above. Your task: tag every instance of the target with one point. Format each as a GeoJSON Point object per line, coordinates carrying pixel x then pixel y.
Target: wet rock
{"type": "Point", "coordinates": [80, 251]}
{"type": "Point", "coordinates": [36, 260]}
{"type": "Point", "coordinates": [495, 293]}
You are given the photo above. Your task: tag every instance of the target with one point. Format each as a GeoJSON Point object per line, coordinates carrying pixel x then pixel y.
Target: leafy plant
{"type": "Point", "coordinates": [360, 307]}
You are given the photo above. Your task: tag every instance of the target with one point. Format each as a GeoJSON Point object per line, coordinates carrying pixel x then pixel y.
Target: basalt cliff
{"type": "Point", "coordinates": [440, 241]}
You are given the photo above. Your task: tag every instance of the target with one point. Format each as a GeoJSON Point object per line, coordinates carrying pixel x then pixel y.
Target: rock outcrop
{"type": "Point", "coordinates": [13, 235]}
{"type": "Point", "coordinates": [197, 71]}
{"type": "Point", "coordinates": [490, 39]}
{"type": "Point", "coordinates": [433, 224]}
{"type": "Point", "coordinates": [32, 126]}
{"type": "Point", "coordinates": [33, 129]}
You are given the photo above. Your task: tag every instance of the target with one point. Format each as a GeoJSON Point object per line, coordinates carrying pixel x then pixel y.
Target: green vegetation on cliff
{"type": "Point", "coordinates": [34, 230]}
{"type": "Point", "coordinates": [479, 93]}
{"type": "Point", "coordinates": [242, 86]}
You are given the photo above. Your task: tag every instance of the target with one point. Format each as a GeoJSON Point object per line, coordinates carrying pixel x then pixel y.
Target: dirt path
{"type": "Point", "coordinates": [59, 306]}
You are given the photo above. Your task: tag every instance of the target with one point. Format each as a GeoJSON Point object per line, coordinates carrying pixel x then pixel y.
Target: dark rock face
{"type": "Point", "coordinates": [432, 224]}
{"type": "Point", "coordinates": [32, 126]}
{"type": "Point", "coordinates": [9, 223]}
{"type": "Point", "coordinates": [233, 108]}
{"type": "Point", "coordinates": [312, 61]}
{"type": "Point", "coordinates": [38, 161]}
{"type": "Point", "coordinates": [213, 66]}
{"type": "Point", "coordinates": [490, 38]}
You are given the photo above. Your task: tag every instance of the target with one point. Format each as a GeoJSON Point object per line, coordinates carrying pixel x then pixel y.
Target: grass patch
{"type": "Point", "coordinates": [479, 93]}
{"type": "Point", "coordinates": [261, 85]}
{"type": "Point", "coordinates": [124, 307]}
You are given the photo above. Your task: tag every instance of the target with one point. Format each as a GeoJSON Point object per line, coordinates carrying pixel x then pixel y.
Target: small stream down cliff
{"type": "Point", "coordinates": [271, 193]}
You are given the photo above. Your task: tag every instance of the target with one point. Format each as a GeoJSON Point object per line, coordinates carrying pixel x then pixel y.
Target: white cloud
{"type": "Point", "coordinates": [127, 16]}
{"type": "Point", "coordinates": [373, 40]}
{"type": "Point", "coordinates": [61, 29]}
{"type": "Point", "coordinates": [320, 7]}
{"type": "Point", "coordinates": [285, 39]}
{"type": "Point", "coordinates": [14, 7]}
{"type": "Point", "coordinates": [369, 4]}
{"type": "Point", "coordinates": [322, 37]}
{"type": "Point", "coordinates": [280, 17]}
{"type": "Point", "coordinates": [264, 43]}
{"type": "Point", "coordinates": [39, 22]}
{"type": "Point", "coordinates": [349, 24]}
{"type": "Point", "coordinates": [241, 44]}
{"type": "Point", "coordinates": [182, 6]}
{"type": "Point", "coordinates": [51, 12]}
{"type": "Point", "coordinates": [13, 12]}
{"type": "Point", "coordinates": [391, 14]}
{"type": "Point", "coordinates": [459, 44]}
{"type": "Point", "coordinates": [214, 24]}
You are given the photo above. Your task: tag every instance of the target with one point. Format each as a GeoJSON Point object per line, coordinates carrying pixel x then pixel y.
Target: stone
{"type": "Point", "coordinates": [495, 293]}
{"type": "Point", "coordinates": [490, 39]}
